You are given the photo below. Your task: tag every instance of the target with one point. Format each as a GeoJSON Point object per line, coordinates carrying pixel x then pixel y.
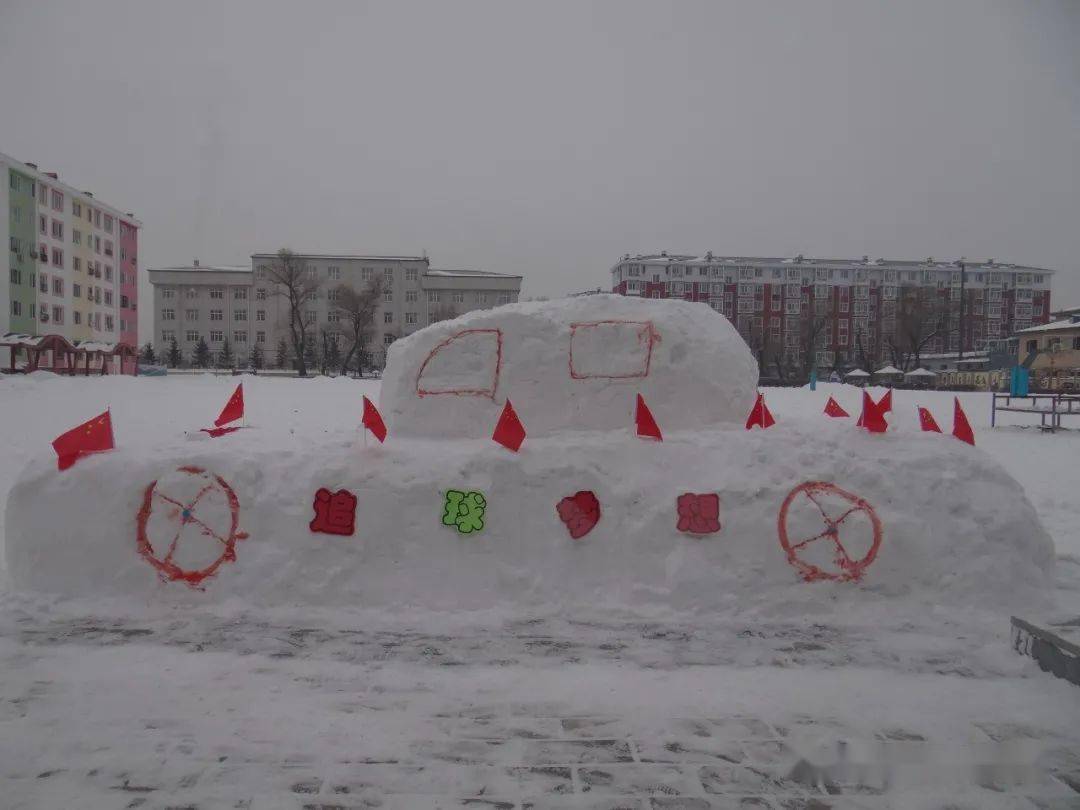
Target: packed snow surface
{"type": "Point", "coordinates": [169, 696]}
{"type": "Point", "coordinates": [570, 364]}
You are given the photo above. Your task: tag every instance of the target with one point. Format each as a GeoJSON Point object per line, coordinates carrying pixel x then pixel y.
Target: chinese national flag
{"type": "Point", "coordinates": [509, 431]}
{"type": "Point", "coordinates": [885, 405]}
{"type": "Point", "coordinates": [646, 425]}
{"type": "Point", "coordinates": [961, 429]}
{"type": "Point", "coordinates": [927, 421]}
{"type": "Point", "coordinates": [234, 408]}
{"type": "Point", "coordinates": [872, 418]}
{"type": "Point", "coordinates": [832, 408]}
{"type": "Point", "coordinates": [89, 437]}
{"type": "Point", "coordinates": [760, 415]}
{"type": "Point", "coordinates": [373, 420]}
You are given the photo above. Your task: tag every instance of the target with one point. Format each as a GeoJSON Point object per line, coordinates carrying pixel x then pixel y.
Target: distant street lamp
{"type": "Point", "coordinates": [960, 262]}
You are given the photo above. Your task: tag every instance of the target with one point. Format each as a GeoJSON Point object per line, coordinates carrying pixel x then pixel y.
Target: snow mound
{"type": "Point", "coordinates": [575, 363]}
{"type": "Point", "coordinates": [920, 517]}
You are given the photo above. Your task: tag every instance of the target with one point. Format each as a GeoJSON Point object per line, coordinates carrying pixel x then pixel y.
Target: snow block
{"type": "Point", "coordinates": [571, 364]}
{"type": "Point", "coordinates": [903, 516]}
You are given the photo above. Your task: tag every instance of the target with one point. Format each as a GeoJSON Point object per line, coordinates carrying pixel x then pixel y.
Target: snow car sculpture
{"type": "Point", "coordinates": [712, 518]}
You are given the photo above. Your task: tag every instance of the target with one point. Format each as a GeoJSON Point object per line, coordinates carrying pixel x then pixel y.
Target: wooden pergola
{"type": "Point", "coordinates": [63, 357]}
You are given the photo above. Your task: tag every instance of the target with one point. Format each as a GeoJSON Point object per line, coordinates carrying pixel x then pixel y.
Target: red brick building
{"type": "Point", "coordinates": [840, 313]}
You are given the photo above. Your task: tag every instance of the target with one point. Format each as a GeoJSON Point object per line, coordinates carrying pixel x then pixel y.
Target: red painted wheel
{"type": "Point", "coordinates": [839, 511]}
{"type": "Point", "coordinates": [187, 526]}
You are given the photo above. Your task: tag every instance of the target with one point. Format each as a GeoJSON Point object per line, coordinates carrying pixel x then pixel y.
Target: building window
{"type": "Point", "coordinates": [366, 273]}
{"type": "Point", "coordinates": [240, 337]}
{"type": "Point", "coordinates": [240, 294]}
{"type": "Point", "coordinates": [388, 297]}
{"type": "Point", "coordinates": [333, 273]}
{"type": "Point", "coordinates": [216, 335]}
{"type": "Point", "coordinates": [481, 298]}
{"type": "Point", "coordinates": [410, 274]}
{"type": "Point", "coordinates": [388, 274]}
{"type": "Point", "coordinates": [388, 317]}
{"type": "Point", "coordinates": [108, 272]}
{"type": "Point", "coordinates": [410, 317]}
{"type": "Point", "coordinates": [168, 314]}
{"type": "Point", "coordinates": [260, 314]}
{"type": "Point", "coordinates": [193, 292]}
{"type": "Point", "coordinates": [192, 336]}
{"type": "Point", "coordinates": [217, 293]}
{"type": "Point", "coordinates": [260, 337]}
{"type": "Point", "coordinates": [433, 296]}
{"type": "Point", "coordinates": [387, 339]}
{"type": "Point", "coordinates": [309, 316]}
{"type": "Point", "coordinates": [260, 294]}
{"type": "Point", "coordinates": [167, 335]}
{"type": "Point", "coordinates": [57, 229]}
{"type": "Point", "coordinates": [459, 298]}
{"type": "Point", "coordinates": [410, 296]}
{"type": "Point", "coordinates": [57, 257]}
{"type": "Point", "coordinates": [16, 308]}
{"type": "Point", "coordinates": [57, 201]}
{"type": "Point", "coordinates": [123, 302]}
{"type": "Point", "coordinates": [191, 314]}
{"type": "Point", "coordinates": [333, 316]}
{"type": "Point", "coordinates": [504, 298]}
{"type": "Point", "coordinates": [239, 314]}
{"type": "Point", "coordinates": [58, 314]}
{"type": "Point", "coordinates": [166, 293]}
{"type": "Point", "coordinates": [43, 283]}
{"type": "Point", "coordinates": [108, 248]}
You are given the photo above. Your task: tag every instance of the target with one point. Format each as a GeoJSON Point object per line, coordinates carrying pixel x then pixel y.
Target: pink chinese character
{"type": "Point", "coordinates": [699, 514]}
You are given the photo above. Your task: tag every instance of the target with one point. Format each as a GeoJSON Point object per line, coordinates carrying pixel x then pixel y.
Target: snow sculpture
{"type": "Point", "coordinates": [571, 364]}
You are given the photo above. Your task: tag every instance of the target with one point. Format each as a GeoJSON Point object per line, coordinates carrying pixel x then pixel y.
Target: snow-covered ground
{"type": "Point", "coordinates": [140, 702]}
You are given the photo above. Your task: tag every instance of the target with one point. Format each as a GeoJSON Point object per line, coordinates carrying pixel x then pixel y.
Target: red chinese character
{"type": "Point", "coordinates": [699, 514]}
{"type": "Point", "coordinates": [335, 513]}
{"type": "Point", "coordinates": [580, 512]}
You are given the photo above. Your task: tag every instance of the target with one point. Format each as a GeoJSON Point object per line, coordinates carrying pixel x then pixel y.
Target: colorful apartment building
{"type": "Point", "coordinates": [841, 313]}
{"type": "Point", "coordinates": [72, 262]}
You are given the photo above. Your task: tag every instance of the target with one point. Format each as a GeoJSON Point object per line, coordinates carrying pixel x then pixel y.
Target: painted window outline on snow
{"type": "Point", "coordinates": [647, 330]}
{"type": "Point", "coordinates": [466, 392]}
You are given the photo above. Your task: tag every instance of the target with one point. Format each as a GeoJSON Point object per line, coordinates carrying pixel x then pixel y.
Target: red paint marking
{"type": "Point", "coordinates": [166, 568]}
{"type": "Point", "coordinates": [468, 392]}
{"type": "Point", "coordinates": [335, 512]}
{"type": "Point", "coordinates": [580, 512]}
{"type": "Point", "coordinates": [645, 332]}
{"type": "Point", "coordinates": [699, 514]}
{"type": "Point", "coordinates": [847, 568]}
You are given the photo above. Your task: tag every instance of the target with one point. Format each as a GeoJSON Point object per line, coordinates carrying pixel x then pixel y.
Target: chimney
{"type": "Point", "coordinates": [52, 175]}
{"type": "Point", "coordinates": [32, 165]}
{"type": "Point", "coordinates": [663, 253]}
{"type": "Point", "coordinates": [195, 263]}
{"type": "Point", "coordinates": [866, 260]}
{"type": "Point", "coordinates": [88, 193]}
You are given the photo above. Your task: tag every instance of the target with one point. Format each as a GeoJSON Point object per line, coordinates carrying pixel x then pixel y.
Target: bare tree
{"type": "Point", "coordinates": [358, 308]}
{"type": "Point", "coordinates": [812, 327]}
{"type": "Point", "coordinates": [299, 287]}
{"type": "Point", "coordinates": [920, 318]}
{"type": "Point", "coordinates": [443, 312]}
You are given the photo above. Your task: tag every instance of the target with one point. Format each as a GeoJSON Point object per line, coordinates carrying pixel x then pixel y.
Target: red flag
{"type": "Point", "coordinates": [760, 415]}
{"type": "Point", "coordinates": [509, 431]}
{"type": "Point", "coordinates": [373, 420]}
{"type": "Point", "coordinates": [89, 437]}
{"type": "Point", "coordinates": [234, 408]}
{"type": "Point", "coordinates": [221, 431]}
{"type": "Point", "coordinates": [646, 425]}
{"type": "Point", "coordinates": [961, 429]}
{"type": "Point", "coordinates": [832, 408]}
{"type": "Point", "coordinates": [872, 418]}
{"type": "Point", "coordinates": [885, 403]}
{"type": "Point", "coordinates": [927, 421]}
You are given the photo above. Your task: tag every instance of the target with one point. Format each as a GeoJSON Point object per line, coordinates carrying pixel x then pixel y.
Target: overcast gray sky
{"type": "Point", "coordinates": [549, 138]}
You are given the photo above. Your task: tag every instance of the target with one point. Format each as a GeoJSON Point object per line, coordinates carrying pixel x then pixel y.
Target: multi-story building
{"type": "Point", "coordinates": [72, 260]}
{"type": "Point", "coordinates": [240, 303]}
{"type": "Point", "coordinates": [833, 313]}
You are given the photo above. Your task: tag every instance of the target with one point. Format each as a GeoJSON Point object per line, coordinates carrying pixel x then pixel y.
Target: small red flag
{"type": "Point", "coordinates": [509, 432]}
{"type": "Point", "coordinates": [89, 437]}
{"type": "Point", "coordinates": [234, 408]}
{"type": "Point", "coordinates": [373, 420]}
{"type": "Point", "coordinates": [646, 425]}
{"type": "Point", "coordinates": [961, 429]}
{"type": "Point", "coordinates": [927, 421]}
{"type": "Point", "coordinates": [760, 415]}
{"type": "Point", "coordinates": [832, 408]}
{"type": "Point", "coordinates": [872, 418]}
{"type": "Point", "coordinates": [885, 403]}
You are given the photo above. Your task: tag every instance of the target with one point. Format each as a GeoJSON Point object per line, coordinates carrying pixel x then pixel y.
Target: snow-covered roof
{"type": "Point", "coordinates": [887, 370]}
{"type": "Point", "coordinates": [95, 346]}
{"type": "Point", "coordinates": [469, 273]}
{"type": "Point", "coordinates": [21, 339]}
{"type": "Point", "coordinates": [190, 268]}
{"type": "Point", "coordinates": [920, 372]}
{"type": "Point", "coordinates": [857, 372]}
{"type": "Point", "coordinates": [303, 255]}
{"type": "Point", "coordinates": [1053, 326]}
{"type": "Point", "coordinates": [981, 265]}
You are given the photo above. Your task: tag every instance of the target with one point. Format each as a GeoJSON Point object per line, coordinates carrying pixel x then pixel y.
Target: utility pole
{"type": "Point", "coordinates": [960, 356]}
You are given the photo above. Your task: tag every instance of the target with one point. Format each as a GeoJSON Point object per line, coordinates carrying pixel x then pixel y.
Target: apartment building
{"type": "Point", "coordinates": [846, 312]}
{"type": "Point", "coordinates": [240, 302]}
{"type": "Point", "coordinates": [72, 260]}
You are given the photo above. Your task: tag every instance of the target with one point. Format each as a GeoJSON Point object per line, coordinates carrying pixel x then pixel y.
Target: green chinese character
{"type": "Point", "coordinates": [464, 510]}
